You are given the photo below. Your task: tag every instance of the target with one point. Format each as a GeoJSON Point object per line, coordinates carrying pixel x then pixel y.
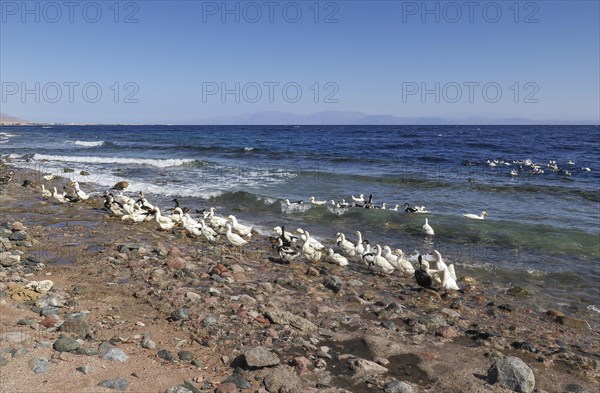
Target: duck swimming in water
{"type": "Point", "coordinates": [427, 229]}
{"type": "Point", "coordinates": [475, 216]}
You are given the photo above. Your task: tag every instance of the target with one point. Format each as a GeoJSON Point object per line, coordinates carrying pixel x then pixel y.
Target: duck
{"type": "Point", "coordinates": [367, 256]}
{"type": "Point", "coordinates": [421, 276]}
{"type": "Point", "coordinates": [217, 223]}
{"type": "Point", "coordinates": [288, 236]}
{"type": "Point", "coordinates": [360, 199]}
{"type": "Point", "coordinates": [164, 223]}
{"type": "Point", "coordinates": [243, 230]}
{"type": "Point", "coordinates": [287, 253]}
{"type": "Point", "coordinates": [403, 265]}
{"type": "Point", "coordinates": [395, 208]}
{"type": "Point", "coordinates": [347, 247]}
{"type": "Point", "coordinates": [427, 229]}
{"type": "Point", "coordinates": [359, 247]}
{"type": "Point", "coordinates": [436, 261]}
{"type": "Point", "coordinates": [70, 198]}
{"type": "Point", "coordinates": [336, 258]}
{"type": "Point", "coordinates": [570, 162]}
{"type": "Point", "coordinates": [122, 198]}
{"type": "Point", "coordinates": [48, 177]}
{"type": "Point", "coordinates": [145, 204]}
{"type": "Point", "coordinates": [59, 197]}
{"type": "Point", "coordinates": [369, 203]}
{"type": "Point", "coordinates": [310, 253]}
{"type": "Point", "coordinates": [317, 203]}
{"type": "Point", "coordinates": [234, 238]}
{"type": "Point", "coordinates": [448, 282]}
{"type": "Point", "coordinates": [135, 217]}
{"type": "Point", "coordinates": [314, 243]}
{"type": "Point", "coordinates": [513, 173]}
{"type": "Point", "coordinates": [209, 234]}
{"type": "Point", "coordinates": [287, 202]}
{"type": "Point", "coordinates": [586, 169]}
{"type": "Point", "coordinates": [46, 193]}
{"type": "Point", "coordinates": [80, 194]}
{"type": "Point", "coordinates": [379, 264]}
{"type": "Point", "coordinates": [177, 215]}
{"type": "Point", "coordinates": [415, 209]}
{"type": "Point", "coordinates": [475, 216]}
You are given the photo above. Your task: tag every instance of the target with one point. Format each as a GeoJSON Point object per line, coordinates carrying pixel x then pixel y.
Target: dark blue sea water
{"type": "Point", "coordinates": [543, 230]}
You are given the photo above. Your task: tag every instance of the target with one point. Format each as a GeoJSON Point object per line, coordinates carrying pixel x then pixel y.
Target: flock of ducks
{"type": "Point", "coordinates": [532, 168]}
{"type": "Point", "coordinates": [289, 246]}
{"type": "Point", "coordinates": [359, 202]}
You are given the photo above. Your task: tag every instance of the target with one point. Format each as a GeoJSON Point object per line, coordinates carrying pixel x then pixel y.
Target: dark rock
{"type": "Point", "coordinates": [166, 355]}
{"type": "Point", "coordinates": [512, 373]}
{"type": "Point", "coordinates": [49, 310]}
{"type": "Point", "coordinates": [65, 344]}
{"type": "Point", "coordinates": [119, 384]}
{"type": "Point", "coordinates": [259, 357]}
{"type": "Point", "coordinates": [191, 387]}
{"type": "Point", "coordinates": [18, 236]}
{"type": "Point", "coordinates": [517, 292]}
{"type": "Point", "coordinates": [39, 365]}
{"type": "Point", "coordinates": [185, 356]}
{"type": "Point", "coordinates": [575, 388]}
{"type": "Point", "coordinates": [77, 324]}
{"type": "Point", "coordinates": [389, 325]}
{"type": "Point", "coordinates": [239, 381]}
{"type": "Point", "coordinates": [126, 247]}
{"type": "Point", "coordinates": [525, 346]}
{"type": "Point", "coordinates": [3, 361]}
{"type": "Point", "coordinates": [85, 369]}
{"type": "Point", "coordinates": [334, 283]}
{"type": "Point", "coordinates": [505, 307]}
{"type": "Point", "coordinates": [196, 363]}
{"type": "Point", "coordinates": [180, 314]}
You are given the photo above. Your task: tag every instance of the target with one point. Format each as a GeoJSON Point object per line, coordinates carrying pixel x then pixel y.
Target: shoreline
{"type": "Point", "coordinates": [236, 302]}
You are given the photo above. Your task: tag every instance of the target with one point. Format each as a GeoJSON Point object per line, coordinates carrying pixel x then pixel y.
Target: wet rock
{"type": "Point", "coordinates": [85, 369]}
{"type": "Point", "coordinates": [517, 292]}
{"type": "Point", "coordinates": [126, 247]}
{"type": "Point", "coordinates": [84, 173]}
{"type": "Point", "coordinates": [185, 356]}
{"type": "Point", "coordinates": [65, 344]}
{"type": "Point", "coordinates": [120, 185]}
{"type": "Point", "coordinates": [180, 314]}
{"type": "Point", "coordinates": [18, 236]}
{"type": "Point", "coordinates": [334, 283]}
{"type": "Point", "coordinates": [119, 384]}
{"type": "Point", "coordinates": [399, 387]}
{"type": "Point", "coordinates": [165, 355]}
{"type": "Point", "coordinates": [147, 342]}
{"type": "Point", "coordinates": [115, 354]}
{"type": "Point", "coordinates": [280, 317]}
{"type": "Point", "coordinates": [512, 373]}
{"type": "Point", "coordinates": [525, 346]}
{"type": "Point", "coordinates": [39, 365]}
{"type": "Point", "coordinates": [259, 357]}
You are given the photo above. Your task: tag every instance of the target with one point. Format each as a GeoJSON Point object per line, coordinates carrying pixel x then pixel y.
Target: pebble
{"type": "Point", "coordinates": [399, 387]}
{"type": "Point", "coordinates": [115, 354]}
{"type": "Point", "coordinates": [512, 373]}
{"type": "Point", "coordinates": [147, 343]}
{"type": "Point", "coordinates": [209, 321]}
{"type": "Point", "coordinates": [185, 356]}
{"type": "Point", "coordinates": [180, 314]}
{"type": "Point", "coordinates": [39, 365]}
{"type": "Point", "coordinates": [226, 388]}
{"type": "Point", "coordinates": [51, 321]}
{"type": "Point", "coordinates": [239, 381]}
{"type": "Point", "coordinates": [3, 361]}
{"type": "Point", "coordinates": [178, 389]}
{"type": "Point", "coordinates": [259, 357]}
{"type": "Point", "coordinates": [85, 369]}
{"type": "Point", "coordinates": [65, 344]}
{"type": "Point", "coordinates": [166, 355]}
{"type": "Point", "coordinates": [334, 283]}
{"type": "Point", "coordinates": [119, 384]}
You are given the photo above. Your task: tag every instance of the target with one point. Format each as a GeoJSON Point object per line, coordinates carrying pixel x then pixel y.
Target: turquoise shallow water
{"type": "Point", "coordinates": [543, 230]}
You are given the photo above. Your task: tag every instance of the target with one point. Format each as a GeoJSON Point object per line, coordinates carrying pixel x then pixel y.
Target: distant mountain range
{"type": "Point", "coordinates": [359, 118]}
{"type": "Point", "coordinates": [339, 118]}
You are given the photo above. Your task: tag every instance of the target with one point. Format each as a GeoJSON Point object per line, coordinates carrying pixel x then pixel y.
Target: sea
{"type": "Point", "coordinates": [542, 231]}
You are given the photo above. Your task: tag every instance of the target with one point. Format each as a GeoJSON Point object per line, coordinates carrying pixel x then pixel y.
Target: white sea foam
{"type": "Point", "coordinates": [114, 160]}
{"type": "Point", "coordinates": [248, 148]}
{"type": "Point", "coordinates": [89, 144]}
{"type": "Point", "coordinates": [7, 135]}
{"type": "Point", "coordinates": [592, 307]}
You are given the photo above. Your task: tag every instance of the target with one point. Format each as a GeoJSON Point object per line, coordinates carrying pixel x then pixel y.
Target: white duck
{"type": "Point", "coordinates": [380, 265]}
{"type": "Point", "coordinates": [448, 282]}
{"type": "Point", "coordinates": [134, 217]}
{"type": "Point", "coordinates": [290, 237]}
{"type": "Point", "coordinates": [359, 247]}
{"type": "Point", "coordinates": [475, 216]}
{"type": "Point", "coordinates": [164, 223]}
{"type": "Point", "coordinates": [82, 195]}
{"type": "Point", "coordinates": [177, 215]}
{"type": "Point", "coordinates": [404, 266]}
{"type": "Point", "coordinates": [306, 238]}
{"type": "Point", "coordinates": [243, 230]}
{"type": "Point", "coordinates": [234, 238]}
{"type": "Point", "coordinates": [310, 253]}
{"type": "Point", "coordinates": [46, 193]}
{"type": "Point", "coordinates": [336, 258]}
{"type": "Point", "coordinates": [48, 177]}
{"type": "Point", "coordinates": [360, 199]}
{"type": "Point", "coordinates": [208, 232]}
{"type": "Point", "coordinates": [317, 203]}
{"type": "Point", "coordinates": [427, 229]}
{"type": "Point", "coordinates": [218, 223]}
{"type": "Point", "coordinates": [59, 197]}
{"type": "Point", "coordinates": [347, 247]}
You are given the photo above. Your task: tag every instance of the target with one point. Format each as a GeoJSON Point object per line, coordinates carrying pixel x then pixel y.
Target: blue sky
{"type": "Point", "coordinates": [171, 64]}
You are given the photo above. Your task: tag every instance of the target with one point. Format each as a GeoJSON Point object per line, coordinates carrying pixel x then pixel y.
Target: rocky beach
{"type": "Point", "coordinates": [89, 304]}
